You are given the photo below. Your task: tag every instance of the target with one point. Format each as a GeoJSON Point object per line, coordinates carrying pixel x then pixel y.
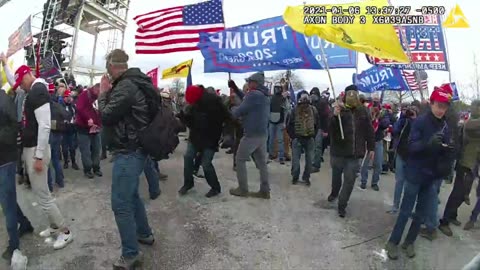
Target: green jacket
{"type": "Point", "coordinates": [471, 144]}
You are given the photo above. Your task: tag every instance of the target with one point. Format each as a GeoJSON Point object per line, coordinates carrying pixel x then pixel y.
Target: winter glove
{"type": "Point", "coordinates": [435, 141]}
{"type": "Point", "coordinates": [231, 84]}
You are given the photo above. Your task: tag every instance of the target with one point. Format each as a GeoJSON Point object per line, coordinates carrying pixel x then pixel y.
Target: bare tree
{"type": "Point", "coordinates": [297, 83]}
{"type": "Point", "coordinates": [178, 85]}
{"type": "Point", "coordinates": [397, 96]}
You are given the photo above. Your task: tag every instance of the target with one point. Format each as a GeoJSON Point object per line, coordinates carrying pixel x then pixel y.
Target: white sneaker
{"type": "Point", "coordinates": [48, 232]}
{"type": "Point", "coordinates": [63, 240]}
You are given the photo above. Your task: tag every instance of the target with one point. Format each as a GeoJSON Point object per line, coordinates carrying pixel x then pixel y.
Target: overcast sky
{"type": "Point", "coordinates": [462, 43]}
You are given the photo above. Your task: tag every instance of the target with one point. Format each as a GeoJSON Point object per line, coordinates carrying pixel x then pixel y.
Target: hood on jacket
{"type": "Point", "coordinates": [315, 91]}
{"type": "Point", "coordinates": [136, 76]}
{"type": "Point", "coordinates": [299, 94]}
{"type": "Point", "coordinates": [142, 81]}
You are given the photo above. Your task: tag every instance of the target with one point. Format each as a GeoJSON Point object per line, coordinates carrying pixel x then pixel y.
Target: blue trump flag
{"type": "Point", "coordinates": [337, 57]}
{"type": "Point", "coordinates": [380, 78]}
{"type": "Point", "coordinates": [455, 95]}
{"type": "Point", "coordinates": [260, 46]}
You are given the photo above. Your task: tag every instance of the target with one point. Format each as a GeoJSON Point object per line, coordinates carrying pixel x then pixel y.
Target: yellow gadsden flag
{"type": "Point", "coordinates": [456, 19]}
{"type": "Point", "coordinates": [179, 71]}
{"type": "Point", "coordinates": [379, 40]}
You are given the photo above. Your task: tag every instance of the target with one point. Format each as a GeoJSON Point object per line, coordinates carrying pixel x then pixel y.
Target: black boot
{"type": "Point", "coordinates": [89, 174]}
{"type": "Point", "coordinates": [184, 190]}
{"type": "Point", "coordinates": [65, 165]}
{"type": "Point", "coordinates": [75, 166]}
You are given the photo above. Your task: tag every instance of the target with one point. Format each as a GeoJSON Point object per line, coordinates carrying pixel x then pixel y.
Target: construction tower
{"type": "Point", "coordinates": [62, 21]}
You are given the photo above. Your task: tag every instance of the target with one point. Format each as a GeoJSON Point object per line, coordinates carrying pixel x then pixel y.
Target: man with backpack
{"type": "Point", "coordinates": [128, 104]}
{"type": "Point", "coordinates": [302, 126]}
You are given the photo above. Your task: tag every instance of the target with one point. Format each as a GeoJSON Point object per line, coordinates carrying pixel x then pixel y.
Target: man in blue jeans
{"type": "Point", "coordinates": [277, 124]}
{"type": "Point", "coordinates": [302, 126]}
{"type": "Point", "coordinates": [8, 193]}
{"type": "Point", "coordinates": [383, 123]}
{"type": "Point", "coordinates": [401, 132]}
{"type": "Point", "coordinates": [89, 125]}
{"type": "Point", "coordinates": [430, 158]}
{"type": "Point", "coordinates": [55, 143]}
{"type": "Point", "coordinates": [152, 173]}
{"type": "Point", "coordinates": [125, 112]}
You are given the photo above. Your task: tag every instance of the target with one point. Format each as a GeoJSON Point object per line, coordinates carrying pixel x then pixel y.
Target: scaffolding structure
{"type": "Point", "coordinates": [90, 16]}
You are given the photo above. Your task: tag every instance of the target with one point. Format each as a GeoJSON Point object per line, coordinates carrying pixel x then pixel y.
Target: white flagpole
{"type": "Point", "coordinates": [325, 62]}
{"type": "Point", "coordinates": [444, 33]}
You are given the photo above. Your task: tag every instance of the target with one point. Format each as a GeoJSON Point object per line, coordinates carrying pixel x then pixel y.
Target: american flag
{"type": "Point", "coordinates": [412, 82]}
{"type": "Point", "coordinates": [49, 67]}
{"type": "Point", "coordinates": [177, 29]}
{"type": "Point", "coordinates": [20, 38]}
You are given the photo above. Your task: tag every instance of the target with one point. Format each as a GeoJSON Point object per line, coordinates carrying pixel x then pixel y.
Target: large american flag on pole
{"type": "Point", "coordinates": [412, 82]}
{"type": "Point", "coordinates": [177, 29]}
{"type": "Point", "coordinates": [20, 38]}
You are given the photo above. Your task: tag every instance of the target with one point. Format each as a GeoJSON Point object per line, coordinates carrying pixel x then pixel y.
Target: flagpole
{"type": "Point", "coordinates": [224, 22]}
{"type": "Point", "coordinates": [325, 62]}
{"type": "Point", "coordinates": [60, 68]}
{"type": "Point", "coordinates": [444, 33]}
{"type": "Point", "coordinates": [409, 54]}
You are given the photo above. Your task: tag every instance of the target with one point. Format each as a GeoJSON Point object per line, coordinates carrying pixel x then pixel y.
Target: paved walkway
{"type": "Point", "coordinates": [296, 229]}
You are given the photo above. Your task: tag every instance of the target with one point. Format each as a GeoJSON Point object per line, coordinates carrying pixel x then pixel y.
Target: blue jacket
{"type": "Point", "coordinates": [384, 123]}
{"type": "Point", "coordinates": [254, 111]}
{"type": "Point", "coordinates": [424, 163]}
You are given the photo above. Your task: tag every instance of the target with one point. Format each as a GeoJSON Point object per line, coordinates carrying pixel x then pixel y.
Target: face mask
{"type": "Point", "coordinates": [351, 99]}
{"type": "Point", "coordinates": [314, 98]}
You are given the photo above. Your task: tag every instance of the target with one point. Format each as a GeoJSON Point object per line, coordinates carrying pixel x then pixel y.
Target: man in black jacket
{"type": "Point", "coordinates": [8, 158]}
{"type": "Point", "coordinates": [125, 111]}
{"type": "Point", "coordinates": [347, 153]}
{"type": "Point", "coordinates": [276, 125]}
{"type": "Point", "coordinates": [320, 101]}
{"type": "Point", "coordinates": [205, 118]}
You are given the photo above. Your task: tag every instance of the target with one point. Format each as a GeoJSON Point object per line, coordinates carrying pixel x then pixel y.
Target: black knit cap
{"type": "Point", "coordinates": [351, 87]}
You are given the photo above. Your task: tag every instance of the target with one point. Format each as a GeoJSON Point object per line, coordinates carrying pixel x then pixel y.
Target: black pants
{"type": "Point", "coordinates": [20, 170]}
{"type": "Point", "coordinates": [349, 167]}
{"type": "Point", "coordinates": [197, 161]}
{"type": "Point", "coordinates": [206, 162]}
{"type": "Point", "coordinates": [462, 186]}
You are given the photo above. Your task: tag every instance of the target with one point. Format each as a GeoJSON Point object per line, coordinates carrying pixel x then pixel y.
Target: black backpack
{"type": "Point", "coordinates": [160, 138]}
{"type": "Point", "coordinates": [59, 117]}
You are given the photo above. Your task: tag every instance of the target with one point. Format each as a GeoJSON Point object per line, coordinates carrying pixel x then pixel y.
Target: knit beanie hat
{"type": "Point", "coordinates": [193, 94]}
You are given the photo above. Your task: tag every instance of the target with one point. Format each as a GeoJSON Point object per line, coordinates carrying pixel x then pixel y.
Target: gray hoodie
{"type": "Point", "coordinates": [254, 110]}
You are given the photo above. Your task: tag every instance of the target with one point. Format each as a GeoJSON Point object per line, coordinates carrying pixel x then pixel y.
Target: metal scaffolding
{"type": "Point", "coordinates": [92, 17]}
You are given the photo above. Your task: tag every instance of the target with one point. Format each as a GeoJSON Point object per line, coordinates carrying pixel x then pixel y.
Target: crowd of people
{"type": "Point", "coordinates": [42, 124]}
